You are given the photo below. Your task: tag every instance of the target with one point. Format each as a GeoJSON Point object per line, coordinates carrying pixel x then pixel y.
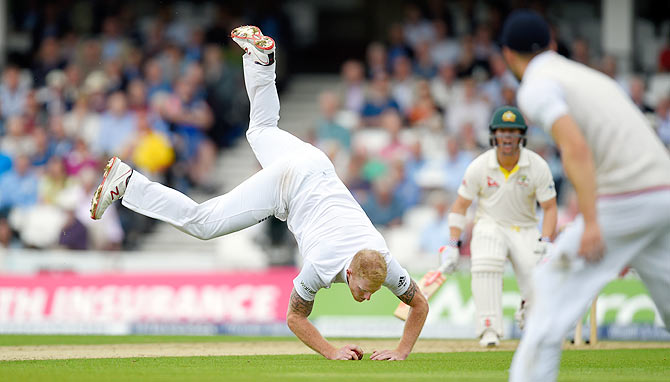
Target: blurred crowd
{"type": "Point", "coordinates": [407, 120]}
{"type": "Point", "coordinates": [97, 81]}
{"type": "Point", "coordinates": [155, 87]}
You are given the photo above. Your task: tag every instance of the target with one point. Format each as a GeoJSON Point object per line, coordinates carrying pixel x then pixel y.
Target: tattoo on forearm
{"type": "Point", "coordinates": [300, 305]}
{"type": "Point", "coordinates": [408, 296]}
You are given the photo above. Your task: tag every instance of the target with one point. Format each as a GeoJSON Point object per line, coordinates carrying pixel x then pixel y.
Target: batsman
{"type": "Point", "coordinates": [508, 180]}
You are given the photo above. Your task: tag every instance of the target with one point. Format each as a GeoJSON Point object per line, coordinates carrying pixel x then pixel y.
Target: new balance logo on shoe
{"type": "Point", "coordinates": [113, 187]}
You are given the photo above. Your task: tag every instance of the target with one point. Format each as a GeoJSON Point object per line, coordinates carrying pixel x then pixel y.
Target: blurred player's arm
{"type": "Point", "coordinates": [579, 167]}
{"type": "Point", "coordinates": [296, 317]}
{"type": "Point", "coordinates": [457, 223]}
{"type": "Point", "coordinates": [417, 317]}
{"type": "Point", "coordinates": [550, 216]}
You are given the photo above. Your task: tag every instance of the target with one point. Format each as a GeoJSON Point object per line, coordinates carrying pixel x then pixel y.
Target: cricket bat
{"type": "Point", "coordinates": [428, 285]}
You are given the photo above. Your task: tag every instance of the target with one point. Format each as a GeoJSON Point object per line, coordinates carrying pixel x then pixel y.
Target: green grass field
{"type": "Point", "coordinates": [578, 365]}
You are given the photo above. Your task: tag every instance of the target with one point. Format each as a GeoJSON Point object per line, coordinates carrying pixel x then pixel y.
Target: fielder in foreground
{"type": "Point", "coordinates": [297, 183]}
{"type": "Point", "coordinates": [621, 173]}
{"type": "Point", "coordinates": [507, 180]}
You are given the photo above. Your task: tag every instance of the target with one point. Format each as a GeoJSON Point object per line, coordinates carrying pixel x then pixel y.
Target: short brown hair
{"type": "Point", "coordinates": [370, 265]}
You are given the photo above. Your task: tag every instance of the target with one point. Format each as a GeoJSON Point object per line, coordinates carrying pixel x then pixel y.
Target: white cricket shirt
{"type": "Point", "coordinates": [508, 199]}
{"type": "Point", "coordinates": [330, 226]}
{"type": "Point", "coordinates": [627, 153]}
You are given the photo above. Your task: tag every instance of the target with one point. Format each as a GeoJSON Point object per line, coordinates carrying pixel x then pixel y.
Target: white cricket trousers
{"type": "Point", "coordinates": [636, 231]}
{"type": "Point", "coordinates": [251, 202]}
{"type": "Point", "coordinates": [491, 245]}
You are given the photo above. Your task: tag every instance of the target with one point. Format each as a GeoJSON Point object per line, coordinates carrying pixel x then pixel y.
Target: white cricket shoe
{"type": "Point", "coordinates": [113, 186]}
{"type": "Point", "coordinates": [251, 39]}
{"type": "Point", "coordinates": [489, 339]}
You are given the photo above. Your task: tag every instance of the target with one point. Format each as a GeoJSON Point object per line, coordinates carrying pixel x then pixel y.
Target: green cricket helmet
{"type": "Point", "coordinates": [507, 117]}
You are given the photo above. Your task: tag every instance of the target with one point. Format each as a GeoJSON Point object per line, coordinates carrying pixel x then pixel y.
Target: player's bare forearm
{"type": "Point", "coordinates": [417, 317]}
{"type": "Point", "coordinates": [578, 164]}
{"type": "Point", "coordinates": [550, 212]}
{"type": "Point", "coordinates": [296, 318]}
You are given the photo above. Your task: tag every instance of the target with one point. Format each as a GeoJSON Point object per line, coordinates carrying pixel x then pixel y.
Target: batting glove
{"type": "Point", "coordinates": [542, 247]}
{"type": "Point", "coordinates": [449, 255]}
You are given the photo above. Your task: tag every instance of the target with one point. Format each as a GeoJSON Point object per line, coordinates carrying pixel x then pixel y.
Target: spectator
{"type": "Point", "coordinates": [445, 50]}
{"type": "Point", "coordinates": [456, 163]}
{"type": "Point", "coordinates": [82, 123]}
{"type": "Point", "coordinates": [378, 100]}
{"type": "Point", "coordinates": [52, 96]}
{"type": "Point", "coordinates": [155, 80]}
{"type": "Point", "coordinates": [12, 93]}
{"type": "Point", "coordinates": [114, 46]}
{"type": "Point", "coordinates": [190, 119]}
{"type": "Point", "coordinates": [73, 84]}
{"type": "Point", "coordinates": [53, 182]}
{"type": "Point", "coordinates": [48, 59]}
{"type": "Point", "coordinates": [608, 65]}
{"type": "Point", "coordinates": [79, 158]}
{"type": "Point", "coordinates": [137, 96]}
{"type": "Point", "coordinates": [406, 187]}
{"type": "Point", "coordinates": [637, 93]}
{"type": "Point", "coordinates": [171, 61]}
{"type": "Point", "coordinates": [484, 46]}
{"type": "Point", "coordinates": [469, 65]}
{"type": "Point", "coordinates": [17, 142]}
{"type": "Point", "coordinates": [383, 206]}
{"type": "Point", "coordinates": [416, 27]}
{"type": "Point", "coordinates": [436, 232]}
{"type": "Point", "coordinates": [89, 58]}
{"type": "Point", "coordinates": [117, 126]}
{"type": "Point", "coordinates": [34, 114]}
{"type": "Point", "coordinates": [580, 51]}
{"type": "Point", "coordinates": [59, 143]}
{"type": "Point", "coordinates": [150, 150]}
{"type": "Point", "coordinates": [392, 124]}
{"type": "Point", "coordinates": [113, 70]}
{"type": "Point", "coordinates": [18, 187]}
{"type": "Point", "coordinates": [424, 66]}
{"type": "Point", "coordinates": [444, 87]}
{"type": "Point", "coordinates": [404, 83]}
{"type": "Point", "coordinates": [327, 127]}
{"type": "Point", "coordinates": [352, 91]}
{"type": "Point", "coordinates": [132, 65]}
{"type": "Point", "coordinates": [223, 82]}
{"type": "Point", "coordinates": [424, 112]}
{"type": "Point", "coordinates": [5, 163]}
{"type": "Point", "coordinates": [43, 147]}
{"type": "Point", "coordinates": [470, 108]}
{"type": "Point", "coordinates": [7, 237]}
{"type": "Point", "coordinates": [398, 46]}
{"type": "Point", "coordinates": [74, 234]}
{"type": "Point", "coordinates": [376, 60]}
{"type": "Point", "coordinates": [353, 178]}
{"type": "Point", "coordinates": [501, 78]}
{"type": "Point", "coordinates": [194, 49]}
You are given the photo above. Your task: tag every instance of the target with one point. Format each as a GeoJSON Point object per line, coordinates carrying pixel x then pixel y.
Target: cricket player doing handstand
{"type": "Point", "coordinates": [621, 174]}
{"type": "Point", "coordinates": [297, 183]}
{"type": "Point", "coordinates": [508, 180]}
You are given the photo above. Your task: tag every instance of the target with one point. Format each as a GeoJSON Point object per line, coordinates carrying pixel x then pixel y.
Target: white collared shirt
{"type": "Point", "coordinates": [508, 199]}
{"type": "Point", "coordinates": [628, 155]}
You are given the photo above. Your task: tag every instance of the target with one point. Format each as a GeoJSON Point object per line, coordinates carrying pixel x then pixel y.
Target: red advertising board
{"type": "Point", "coordinates": [240, 297]}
